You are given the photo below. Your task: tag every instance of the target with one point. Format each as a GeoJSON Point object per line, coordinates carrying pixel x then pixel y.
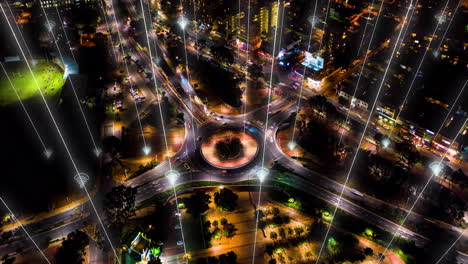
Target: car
{"type": "Point", "coordinates": [177, 227]}
{"type": "Point", "coordinates": [180, 243]}
{"type": "Point", "coordinates": [199, 138]}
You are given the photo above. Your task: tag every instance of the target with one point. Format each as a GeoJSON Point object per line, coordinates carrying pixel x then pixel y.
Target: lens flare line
{"type": "Point", "coordinates": [246, 71]}
{"type": "Point", "coordinates": [301, 88]}
{"type": "Point", "coordinates": [451, 246]}
{"type": "Point", "coordinates": [155, 83]}
{"type": "Point", "coordinates": [438, 164]}
{"type": "Point", "coordinates": [448, 26]}
{"type": "Point", "coordinates": [24, 230]}
{"type": "Point", "coordinates": [24, 109]}
{"type": "Point", "coordinates": [324, 26]}
{"type": "Point", "coordinates": [122, 49]}
{"type": "Point", "coordinates": [72, 85]}
{"type": "Point", "coordinates": [59, 132]}
{"type": "Point", "coordinates": [365, 127]}
{"type": "Point", "coordinates": [400, 109]}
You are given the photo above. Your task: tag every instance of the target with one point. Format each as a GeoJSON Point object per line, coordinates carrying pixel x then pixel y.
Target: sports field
{"type": "Point", "coordinates": [49, 76]}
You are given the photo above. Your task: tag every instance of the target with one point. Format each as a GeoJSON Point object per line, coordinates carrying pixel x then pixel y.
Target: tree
{"type": "Point", "coordinates": [282, 233]}
{"type": "Point", "coordinates": [298, 230]}
{"type": "Point", "coordinates": [229, 230]}
{"type": "Point", "coordinates": [73, 247]}
{"type": "Point", "coordinates": [255, 71]}
{"type": "Point", "coordinates": [226, 199]}
{"type": "Point", "coordinates": [222, 53]}
{"type": "Point", "coordinates": [272, 261]}
{"type": "Point", "coordinates": [273, 235]}
{"type": "Point", "coordinates": [198, 203]}
{"type": "Point", "coordinates": [215, 223]}
{"type": "Point", "coordinates": [119, 204]}
{"type": "Point", "coordinates": [224, 221]}
{"type": "Point", "coordinates": [368, 251]}
{"type": "Point", "coordinates": [408, 153]}
{"type": "Point", "coordinates": [8, 260]}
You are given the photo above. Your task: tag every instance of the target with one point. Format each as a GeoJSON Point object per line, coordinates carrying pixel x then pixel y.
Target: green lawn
{"type": "Point", "coordinates": [48, 75]}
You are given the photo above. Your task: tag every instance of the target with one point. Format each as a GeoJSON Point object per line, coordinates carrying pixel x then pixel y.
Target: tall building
{"type": "Point", "coordinates": [64, 3]}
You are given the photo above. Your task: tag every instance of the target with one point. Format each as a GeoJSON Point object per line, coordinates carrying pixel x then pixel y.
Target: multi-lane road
{"type": "Point", "coordinates": [153, 182]}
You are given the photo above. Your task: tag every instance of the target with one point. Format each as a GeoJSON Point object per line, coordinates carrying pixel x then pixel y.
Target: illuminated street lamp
{"type": "Point", "coordinates": [386, 142]}
{"type": "Point", "coordinates": [172, 176]}
{"type": "Point", "coordinates": [81, 179]}
{"type": "Point", "coordinates": [292, 145]}
{"type": "Point", "coordinates": [436, 168]}
{"type": "Point", "coordinates": [262, 173]}
{"type": "Point", "coordinates": [48, 153]}
{"type": "Point", "coordinates": [97, 152]}
{"type": "Point", "coordinates": [183, 22]}
{"type": "Point", "coordinates": [146, 150]}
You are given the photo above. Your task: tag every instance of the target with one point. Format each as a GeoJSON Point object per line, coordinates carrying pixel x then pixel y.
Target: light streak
{"type": "Point", "coordinates": [25, 110]}
{"type": "Point", "coordinates": [266, 129]}
{"type": "Point", "coordinates": [128, 73]}
{"type": "Point", "coordinates": [434, 172]}
{"type": "Point", "coordinates": [155, 83]}
{"type": "Point", "coordinates": [365, 28]}
{"type": "Point", "coordinates": [303, 74]}
{"type": "Point", "coordinates": [419, 66]}
{"type": "Point", "coordinates": [324, 26]}
{"type": "Point", "coordinates": [24, 230]}
{"type": "Point", "coordinates": [109, 30]}
{"type": "Point", "coordinates": [58, 130]}
{"type": "Point", "coordinates": [366, 126]}
{"type": "Point", "coordinates": [448, 26]}
{"type": "Point", "coordinates": [244, 109]}
{"type": "Point", "coordinates": [451, 246]}
{"type": "Point", "coordinates": [365, 61]}
{"type": "Point", "coordinates": [21, 34]}
{"type": "Point", "coordinates": [72, 85]}
{"type": "Point", "coordinates": [196, 23]}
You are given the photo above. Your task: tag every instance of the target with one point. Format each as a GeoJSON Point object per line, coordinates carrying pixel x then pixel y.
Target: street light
{"type": "Point", "coordinates": [292, 145]}
{"type": "Point", "coordinates": [172, 176]}
{"type": "Point", "coordinates": [386, 142]}
{"type": "Point", "coordinates": [183, 22]}
{"type": "Point", "coordinates": [97, 152]}
{"type": "Point", "coordinates": [262, 173]}
{"type": "Point", "coordinates": [436, 168]}
{"type": "Point", "coordinates": [81, 179]}
{"type": "Point", "coordinates": [146, 150]}
{"type": "Point", "coordinates": [48, 153]}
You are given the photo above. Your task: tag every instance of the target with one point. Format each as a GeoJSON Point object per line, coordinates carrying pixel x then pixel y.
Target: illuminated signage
{"type": "Point", "coordinates": [314, 63]}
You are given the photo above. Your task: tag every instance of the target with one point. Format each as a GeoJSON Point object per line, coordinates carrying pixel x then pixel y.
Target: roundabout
{"type": "Point", "coordinates": [229, 148]}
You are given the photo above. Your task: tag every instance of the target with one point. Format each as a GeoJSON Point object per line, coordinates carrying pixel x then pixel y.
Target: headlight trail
{"type": "Point", "coordinates": [46, 150]}
{"type": "Point", "coordinates": [155, 84]}
{"type": "Point", "coordinates": [72, 85]}
{"type": "Point", "coordinates": [451, 246]}
{"type": "Point", "coordinates": [121, 44]}
{"type": "Point", "coordinates": [265, 130]}
{"type": "Point", "coordinates": [303, 74]}
{"type": "Point", "coordinates": [419, 67]}
{"type": "Point", "coordinates": [59, 132]}
{"type": "Point", "coordinates": [362, 66]}
{"type": "Point", "coordinates": [24, 230]}
{"type": "Point", "coordinates": [366, 126]}
{"type": "Point", "coordinates": [432, 174]}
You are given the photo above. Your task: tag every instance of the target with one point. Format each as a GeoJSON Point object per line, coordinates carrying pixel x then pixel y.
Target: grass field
{"type": "Point", "coordinates": [49, 77]}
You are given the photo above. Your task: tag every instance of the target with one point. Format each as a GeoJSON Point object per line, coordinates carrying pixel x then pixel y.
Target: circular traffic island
{"type": "Point", "coordinates": [229, 148]}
